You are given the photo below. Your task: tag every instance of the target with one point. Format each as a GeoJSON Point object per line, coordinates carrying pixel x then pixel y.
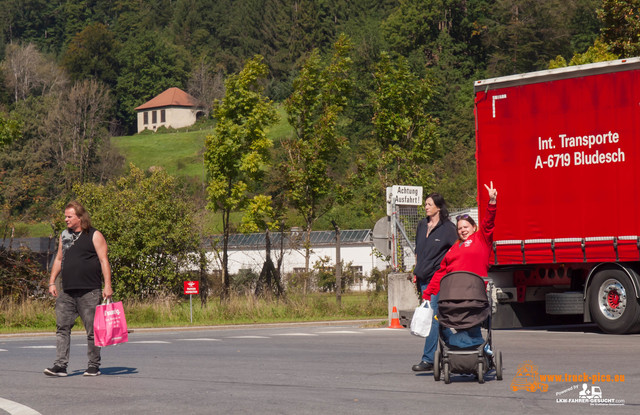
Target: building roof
{"type": "Point", "coordinates": [172, 97]}
{"type": "Point", "coordinates": [318, 238]}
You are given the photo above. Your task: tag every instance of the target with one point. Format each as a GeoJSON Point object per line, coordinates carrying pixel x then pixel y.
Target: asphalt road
{"type": "Point", "coordinates": [315, 369]}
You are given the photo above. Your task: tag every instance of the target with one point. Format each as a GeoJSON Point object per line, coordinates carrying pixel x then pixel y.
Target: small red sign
{"type": "Point", "coordinates": [192, 287]}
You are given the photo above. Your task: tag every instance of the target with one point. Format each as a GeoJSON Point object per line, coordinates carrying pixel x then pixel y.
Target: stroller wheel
{"type": "Point", "coordinates": [436, 366]}
{"type": "Point", "coordinates": [480, 372]}
{"type": "Point", "coordinates": [498, 363]}
{"type": "Point", "coordinates": [445, 373]}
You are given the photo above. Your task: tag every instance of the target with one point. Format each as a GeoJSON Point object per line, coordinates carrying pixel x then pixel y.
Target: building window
{"type": "Point", "coordinates": [154, 117]}
{"type": "Point", "coordinates": [357, 271]}
{"type": "Point", "coordinates": [163, 117]}
{"type": "Point", "coordinates": [145, 116]}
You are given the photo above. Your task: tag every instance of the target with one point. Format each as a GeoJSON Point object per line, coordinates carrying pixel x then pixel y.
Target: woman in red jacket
{"type": "Point", "coordinates": [470, 253]}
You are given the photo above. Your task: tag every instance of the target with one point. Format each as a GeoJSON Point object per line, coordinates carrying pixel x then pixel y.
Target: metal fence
{"type": "Point", "coordinates": [404, 221]}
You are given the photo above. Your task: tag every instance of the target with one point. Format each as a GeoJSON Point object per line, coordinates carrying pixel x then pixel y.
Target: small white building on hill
{"type": "Point", "coordinates": [172, 108]}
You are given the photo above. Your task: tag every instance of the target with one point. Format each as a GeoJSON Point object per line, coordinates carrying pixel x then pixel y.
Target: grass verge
{"type": "Point", "coordinates": [39, 316]}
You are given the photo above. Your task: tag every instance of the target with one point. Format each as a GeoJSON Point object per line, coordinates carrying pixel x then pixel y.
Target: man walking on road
{"type": "Point", "coordinates": [82, 262]}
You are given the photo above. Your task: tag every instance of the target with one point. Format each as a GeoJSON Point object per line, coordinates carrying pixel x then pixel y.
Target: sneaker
{"type": "Point", "coordinates": [422, 367]}
{"type": "Point", "coordinates": [56, 371]}
{"type": "Point", "coordinates": [92, 371]}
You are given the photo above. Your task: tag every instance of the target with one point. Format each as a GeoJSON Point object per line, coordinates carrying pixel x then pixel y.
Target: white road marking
{"type": "Point", "coordinates": [39, 347]}
{"type": "Point", "coordinates": [3, 350]}
{"type": "Point", "coordinates": [200, 340]}
{"type": "Point", "coordinates": [385, 329]}
{"type": "Point", "coordinates": [14, 408]}
{"type": "Point", "coordinates": [340, 332]}
{"type": "Point", "coordinates": [247, 337]}
{"type": "Point", "coordinates": [295, 334]}
{"type": "Point", "coordinates": [151, 342]}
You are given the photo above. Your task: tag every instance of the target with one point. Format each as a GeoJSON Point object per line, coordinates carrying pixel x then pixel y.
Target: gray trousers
{"type": "Point", "coordinates": [68, 307]}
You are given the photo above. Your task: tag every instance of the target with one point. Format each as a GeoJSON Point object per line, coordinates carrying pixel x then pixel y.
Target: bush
{"type": "Point", "coordinates": [21, 275]}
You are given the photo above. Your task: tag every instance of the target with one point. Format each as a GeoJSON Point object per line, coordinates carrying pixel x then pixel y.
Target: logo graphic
{"type": "Point", "coordinates": [594, 393]}
{"type": "Point", "coordinates": [112, 312]}
{"type": "Point", "coordinates": [527, 378]}
{"type": "Point", "coordinates": [591, 396]}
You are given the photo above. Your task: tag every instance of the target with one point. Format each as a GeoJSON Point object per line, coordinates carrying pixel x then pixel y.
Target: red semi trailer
{"type": "Point", "coordinates": [562, 147]}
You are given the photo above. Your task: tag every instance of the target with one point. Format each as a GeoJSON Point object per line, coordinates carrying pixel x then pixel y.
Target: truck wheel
{"type": "Point", "coordinates": [570, 302]}
{"type": "Point", "coordinates": [613, 303]}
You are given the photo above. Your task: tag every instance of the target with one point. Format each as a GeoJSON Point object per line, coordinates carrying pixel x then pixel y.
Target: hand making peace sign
{"type": "Point", "coordinates": [493, 193]}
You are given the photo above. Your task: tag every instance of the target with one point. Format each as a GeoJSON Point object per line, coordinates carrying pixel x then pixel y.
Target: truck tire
{"type": "Point", "coordinates": [612, 302]}
{"type": "Point", "coordinates": [565, 303]}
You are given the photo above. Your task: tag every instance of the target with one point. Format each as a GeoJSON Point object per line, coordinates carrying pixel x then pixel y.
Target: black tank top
{"type": "Point", "coordinates": [80, 264]}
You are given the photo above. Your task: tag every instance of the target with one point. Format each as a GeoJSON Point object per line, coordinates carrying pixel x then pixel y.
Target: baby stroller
{"type": "Point", "coordinates": [464, 304]}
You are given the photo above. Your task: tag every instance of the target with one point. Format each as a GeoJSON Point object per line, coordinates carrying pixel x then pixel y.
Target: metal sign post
{"type": "Point", "coordinates": [190, 288]}
{"type": "Point", "coordinates": [402, 203]}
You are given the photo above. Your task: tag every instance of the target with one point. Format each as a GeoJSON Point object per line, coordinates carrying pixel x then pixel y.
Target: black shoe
{"type": "Point", "coordinates": [56, 371]}
{"type": "Point", "coordinates": [92, 371]}
{"type": "Point", "coordinates": [422, 367]}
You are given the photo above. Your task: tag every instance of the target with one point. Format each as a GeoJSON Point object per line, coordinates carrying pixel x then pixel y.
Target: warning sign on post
{"type": "Point", "coordinates": [191, 287]}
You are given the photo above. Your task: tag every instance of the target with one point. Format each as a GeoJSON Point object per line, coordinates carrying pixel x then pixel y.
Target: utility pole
{"type": "Point", "coordinates": [338, 266]}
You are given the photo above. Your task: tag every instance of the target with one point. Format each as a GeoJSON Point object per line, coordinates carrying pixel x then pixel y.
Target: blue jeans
{"type": "Point", "coordinates": [68, 307]}
{"type": "Point", "coordinates": [464, 338]}
{"type": "Point", "coordinates": [431, 341]}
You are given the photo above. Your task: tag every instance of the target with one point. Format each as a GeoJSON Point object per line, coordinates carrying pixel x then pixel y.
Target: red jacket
{"type": "Point", "coordinates": [471, 255]}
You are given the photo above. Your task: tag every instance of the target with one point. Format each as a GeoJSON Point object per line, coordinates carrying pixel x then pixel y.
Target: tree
{"type": "Point", "coordinates": [599, 52]}
{"type": "Point", "coordinates": [149, 229]}
{"type": "Point", "coordinates": [320, 95]}
{"type": "Point", "coordinates": [77, 129]}
{"type": "Point", "coordinates": [27, 71]}
{"type": "Point", "coordinates": [10, 130]}
{"type": "Point", "coordinates": [404, 133]}
{"type": "Point", "coordinates": [621, 26]}
{"type": "Point", "coordinates": [91, 53]}
{"type": "Point", "coordinates": [206, 85]}
{"type": "Point", "coordinates": [236, 154]}
{"type": "Point", "coordinates": [523, 35]}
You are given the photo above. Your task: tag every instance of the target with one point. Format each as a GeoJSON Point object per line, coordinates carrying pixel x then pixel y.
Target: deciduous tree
{"type": "Point", "coordinates": [92, 53]}
{"type": "Point", "coordinates": [320, 95]}
{"type": "Point", "coordinates": [405, 134]}
{"type": "Point", "coordinates": [26, 72]}
{"type": "Point", "coordinates": [77, 129]}
{"type": "Point", "coordinates": [237, 152]}
{"type": "Point", "coordinates": [621, 26]}
{"type": "Point", "coordinates": [147, 223]}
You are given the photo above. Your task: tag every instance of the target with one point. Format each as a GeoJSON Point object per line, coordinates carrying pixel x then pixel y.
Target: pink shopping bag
{"type": "Point", "coordinates": [110, 325]}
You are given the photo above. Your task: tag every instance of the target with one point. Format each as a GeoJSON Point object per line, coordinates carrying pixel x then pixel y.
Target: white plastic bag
{"type": "Point", "coordinates": [422, 318]}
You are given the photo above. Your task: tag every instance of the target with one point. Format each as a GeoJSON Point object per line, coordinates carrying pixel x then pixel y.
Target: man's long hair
{"type": "Point", "coordinates": [81, 212]}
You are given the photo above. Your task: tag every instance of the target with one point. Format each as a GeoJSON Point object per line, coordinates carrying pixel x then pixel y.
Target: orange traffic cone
{"type": "Point", "coordinates": [395, 321]}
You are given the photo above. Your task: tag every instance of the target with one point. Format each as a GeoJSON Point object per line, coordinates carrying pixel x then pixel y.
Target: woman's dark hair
{"type": "Point", "coordinates": [438, 200]}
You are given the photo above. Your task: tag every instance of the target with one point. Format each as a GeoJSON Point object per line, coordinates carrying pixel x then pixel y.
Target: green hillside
{"type": "Point", "coordinates": [179, 152]}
